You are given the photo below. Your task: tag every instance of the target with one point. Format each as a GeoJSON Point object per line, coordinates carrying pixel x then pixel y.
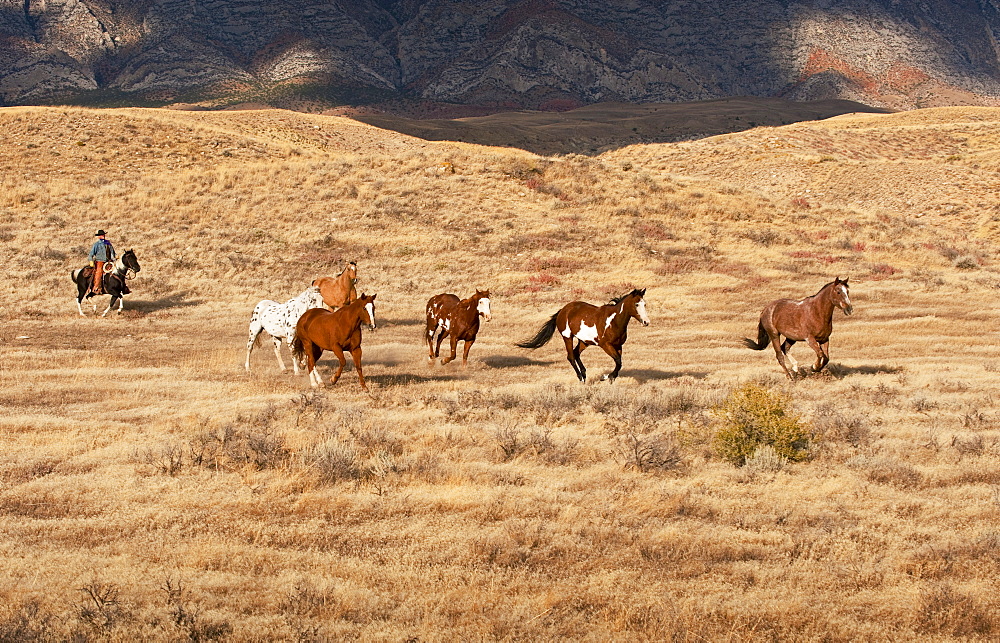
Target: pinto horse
{"type": "Point", "coordinates": [582, 324]}
{"type": "Point", "coordinates": [809, 320]}
{"type": "Point", "coordinates": [319, 329]}
{"type": "Point", "coordinates": [457, 318]}
{"type": "Point", "coordinates": [339, 291]}
{"type": "Point", "coordinates": [125, 268]}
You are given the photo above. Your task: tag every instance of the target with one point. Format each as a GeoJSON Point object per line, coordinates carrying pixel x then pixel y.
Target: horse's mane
{"type": "Point", "coordinates": [618, 300]}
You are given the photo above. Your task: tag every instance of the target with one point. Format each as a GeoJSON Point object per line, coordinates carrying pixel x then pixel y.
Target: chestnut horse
{"type": "Point", "coordinates": [339, 291]}
{"type": "Point", "coordinates": [456, 318]}
{"type": "Point", "coordinates": [319, 329]}
{"type": "Point", "coordinates": [582, 324]}
{"type": "Point", "coordinates": [809, 320]}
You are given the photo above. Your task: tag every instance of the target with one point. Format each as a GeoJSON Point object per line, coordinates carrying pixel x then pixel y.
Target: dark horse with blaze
{"type": "Point", "coordinates": [457, 318]}
{"type": "Point", "coordinates": [319, 329]}
{"type": "Point", "coordinates": [582, 324]}
{"type": "Point", "coordinates": [125, 268]}
{"type": "Point", "coordinates": [804, 320]}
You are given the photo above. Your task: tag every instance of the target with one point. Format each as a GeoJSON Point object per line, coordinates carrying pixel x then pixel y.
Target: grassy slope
{"type": "Point", "coordinates": [503, 501]}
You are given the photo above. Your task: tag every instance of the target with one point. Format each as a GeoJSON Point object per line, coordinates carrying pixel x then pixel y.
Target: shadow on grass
{"type": "Point", "coordinates": [513, 361]}
{"type": "Point", "coordinates": [646, 374]}
{"type": "Point", "coordinates": [176, 300]}
{"type": "Point", "coordinates": [839, 371]}
{"type": "Point", "coordinates": [406, 379]}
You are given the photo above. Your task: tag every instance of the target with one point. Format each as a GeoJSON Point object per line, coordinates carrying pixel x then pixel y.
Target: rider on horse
{"type": "Point", "coordinates": [101, 253]}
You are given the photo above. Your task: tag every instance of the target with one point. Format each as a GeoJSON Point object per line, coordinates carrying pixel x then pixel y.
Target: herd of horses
{"type": "Point", "coordinates": [329, 314]}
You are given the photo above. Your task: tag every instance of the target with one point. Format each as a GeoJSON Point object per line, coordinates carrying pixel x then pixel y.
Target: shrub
{"type": "Point", "coordinates": [753, 416]}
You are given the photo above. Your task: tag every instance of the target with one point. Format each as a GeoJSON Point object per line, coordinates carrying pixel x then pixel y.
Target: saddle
{"type": "Point", "coordinates": [88, 274]}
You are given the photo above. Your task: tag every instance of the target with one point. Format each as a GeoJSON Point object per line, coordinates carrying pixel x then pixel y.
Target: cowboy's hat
{"type": "Point", "coordinates": [100, 233]}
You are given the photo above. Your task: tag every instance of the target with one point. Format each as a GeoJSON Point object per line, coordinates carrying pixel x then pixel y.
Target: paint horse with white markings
{"type": "Point", "coordinates": [338, 331]}
{"type": "Point", "coordinates": [809, 320]}
{"type": "Point", "coordinates": [455, 318]}
{"type": "Point", "coordinates": [125, 268]}
{"type": "Point", "coordinates": [582, 324]}
{"type": "Point", "coordinates": [279, 321]}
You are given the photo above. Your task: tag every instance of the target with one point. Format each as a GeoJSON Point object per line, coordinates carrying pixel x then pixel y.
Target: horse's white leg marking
{"type": "Point", "coordinates": [80, 308]}
{"type": "Point", "coordinates": [104, 314]}
{"type": "Point", "coordinates": [795, 365]}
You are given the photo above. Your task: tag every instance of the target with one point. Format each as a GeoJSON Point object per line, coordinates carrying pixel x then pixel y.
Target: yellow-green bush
{"type": "Point", "coordinates": [751, 417]}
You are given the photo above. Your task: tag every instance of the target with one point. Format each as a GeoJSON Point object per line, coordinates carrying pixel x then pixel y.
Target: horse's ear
{"type": "Point", "coordinates": [642, 293]}
{"type": "Point", "coordinates": [374, 295]}
{"type": "Point", "coordinates": [845, 280]}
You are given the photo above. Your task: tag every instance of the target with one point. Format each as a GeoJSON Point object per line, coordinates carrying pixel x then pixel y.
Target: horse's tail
{"type": "Point", "coordinates": [74, 274]}
{"type": "Point", "coordinates": [298, 350]}
{"type": "Point", "coordinates": [762, 339]}
{"type": "Point", "coordinates": [543, 335]}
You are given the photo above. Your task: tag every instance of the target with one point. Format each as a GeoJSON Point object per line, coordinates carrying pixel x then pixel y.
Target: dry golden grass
{"type": "Point", "coordinates": [150, 489]}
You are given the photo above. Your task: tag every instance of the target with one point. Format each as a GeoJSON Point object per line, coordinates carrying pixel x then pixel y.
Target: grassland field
{"type": "Point", "coordinates": [151, 489]}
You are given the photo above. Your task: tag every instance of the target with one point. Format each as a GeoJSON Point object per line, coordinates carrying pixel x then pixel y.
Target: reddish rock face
{"type": "Point", "coordinates": [496, 54]}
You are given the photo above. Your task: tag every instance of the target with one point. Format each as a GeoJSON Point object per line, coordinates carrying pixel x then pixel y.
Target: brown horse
{"type": "Point", "coordinates": [809, 320]}
{"type": "Point", "coordinates": [319, 329]}
{"type": "Point", "coordinates": [456, 318]}
{"type": "Point", "coordinates": [339, 291]}
{"type": "Point", "coordinates": [585, 325]}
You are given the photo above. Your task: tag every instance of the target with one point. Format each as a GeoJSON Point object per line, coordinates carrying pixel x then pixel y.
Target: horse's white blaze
{"type": "Point", "coordinates": [370, 309]}
{"type": "Point", "coordinates": [587, 333]}
{"type": "Point", "coordinates": [641, 309]}
{"type": "Point", "coordinates": [484, 308]}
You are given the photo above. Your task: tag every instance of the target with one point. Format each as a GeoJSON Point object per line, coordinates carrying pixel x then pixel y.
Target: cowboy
{"type": "Point", "coordinates": [101, 253]}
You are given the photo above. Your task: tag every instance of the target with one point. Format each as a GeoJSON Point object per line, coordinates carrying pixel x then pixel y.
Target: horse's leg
{"type": "Point", "coordinates": [110, 306]}
{"type": "Point", "coordinates": [780, 354]}
{"type": "Point", "coordinates": [79, 299]}
{"type": "Point", "coordinates": [573, 356]}
{"type": "Point", "coordinates": [821, 359]}
{"type": "Point", "coordinates": [356, 356]}
{"type": "Point", "coordinates": [826, 351]}
{"type": "Point", "coordinates": [277, 353]}
{"type": "Point", "coordinates": [465, 353]}
{"type": "Point", "coordinates": [312, 357]}
{"type": "Point", "coordinates": [616, 354]}
{"type": "Point", "coordinates": [255, 330]}
{"type": "Point", "coordinates": [431, 330]}
{"type": "Point", "coordinates": [454, 349]}
{"type": "Point", "coordinates": [291, 340]}
{"type": "Point", "coordinates": [339, 352]}
{"type": "Point", "coordinates": [440, 340]}
{"type": "Point", "coordinates": [787, 346]}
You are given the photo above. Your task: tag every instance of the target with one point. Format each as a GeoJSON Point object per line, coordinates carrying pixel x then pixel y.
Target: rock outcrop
{"type": "Point", "coordinates": [505, 53]}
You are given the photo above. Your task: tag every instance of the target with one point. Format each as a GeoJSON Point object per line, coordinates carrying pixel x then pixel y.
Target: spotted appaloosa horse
{"type": "Point", "coordinates": [340, 290]}
{"type": "Point", "coordinates": [279, 321]}
{"type": "Point", "coordinates": [582, 324]}
{"type": "Point", "coordinates": [809, 320]}
{"type": "Point", "coordinates": [455, 318]}
{"type": "Point", "coordinates": [114, 282]}
{"type": "Point", "coordinates": [320, 329]}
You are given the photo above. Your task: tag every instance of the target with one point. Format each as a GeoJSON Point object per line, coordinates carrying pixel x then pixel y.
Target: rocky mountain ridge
{"type": "Point", "coordinates": [505, 54]}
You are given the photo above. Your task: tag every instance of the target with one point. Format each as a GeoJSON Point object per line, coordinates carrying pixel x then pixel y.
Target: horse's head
{"type": "Point", "coordinates": [635, 306]}
{"type": "Point", "coordinates": [352, 270]}
{"type": "Point", "coordinates": [368, 304]}
{"type": "Point", "coordinates": [842, 296]}
{"type": "Point", "coordinates": [129, 260]}
{"type": "Point", "coordinates": [483, 305]}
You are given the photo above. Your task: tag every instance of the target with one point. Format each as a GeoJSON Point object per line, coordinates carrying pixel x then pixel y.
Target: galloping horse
{"type": "Point", "coordinates": [457, 318]}
{"type": "Point", "coordinates": [588, 325]}
{"type": "Point", "coordinates": [125, 268]}
{"type": "Point", "coordinates": [319, 329]}
{"type": "Point", "coordinates": [809, 320]}
{"type": "Point", "coordinates": [279, 321]}
{"type": "Point", "coordinates": [339, 291]}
